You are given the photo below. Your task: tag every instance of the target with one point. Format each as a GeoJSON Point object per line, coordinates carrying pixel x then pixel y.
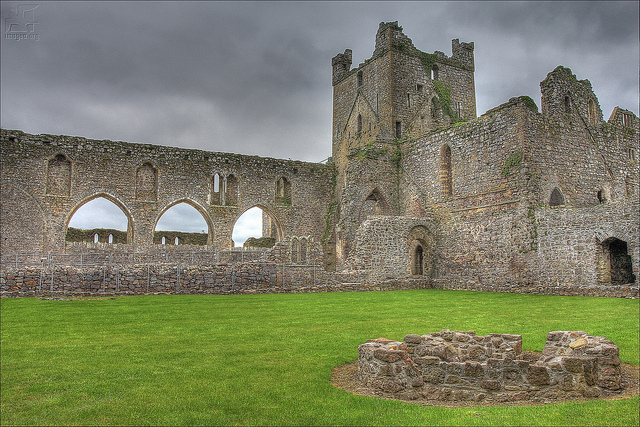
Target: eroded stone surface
{"type": "Point", "coordinates": [455, 365]}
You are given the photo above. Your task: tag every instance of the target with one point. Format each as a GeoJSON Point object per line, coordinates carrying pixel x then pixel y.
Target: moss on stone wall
{"type": "Point", "coordinates": [513, 161]}
{"type": "Point", "coordinates": [261, 242]}
{"type": "Point", "coordinates": [80, 235]}
{"type": "Point", "coordinates": [184, 238]}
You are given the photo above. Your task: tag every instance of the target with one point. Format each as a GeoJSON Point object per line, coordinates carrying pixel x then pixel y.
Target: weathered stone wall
{"type": "Point", "coordinates": [46, 178]}
{"type": "Point", "coordinates": [454, 365]}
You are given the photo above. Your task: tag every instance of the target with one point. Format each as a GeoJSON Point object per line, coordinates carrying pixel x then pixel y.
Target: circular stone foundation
{"type": "Point", "coordinates": [346, 377]}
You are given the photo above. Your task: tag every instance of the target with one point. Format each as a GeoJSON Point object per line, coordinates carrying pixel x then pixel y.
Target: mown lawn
{"type": "Point", "coordinates": [267, 359]}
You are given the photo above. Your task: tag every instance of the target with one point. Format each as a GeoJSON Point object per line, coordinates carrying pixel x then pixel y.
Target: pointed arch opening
{"type": "Point", "coordinates": [421, 245]}
{"type": "Point", "coordinates": [216, 194]}
{"type": "Point", "coordinates": [283, 191]}
{"type": "Point", "coordinates": [183, 222]}
{"type": "Point", "coordinates": [556, 199]}
{"type": "Point", "coordinates": [100, 215]}
{"type": "Point", "coordinates": [257, 227]}
{"type": "Point", "coordinates": [374, 204]}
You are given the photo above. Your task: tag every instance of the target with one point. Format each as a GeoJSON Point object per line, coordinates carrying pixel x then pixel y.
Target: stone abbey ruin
{"type": "Point", "coordinates": [419, 193]}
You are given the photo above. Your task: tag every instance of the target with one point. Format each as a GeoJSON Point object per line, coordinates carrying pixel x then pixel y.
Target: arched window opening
{"type": "Point", "coordinates": [446, 176]}
{"type": "Point", "coordinates": [417, 261]}
{"type": "Point", "coordinates": [592, 112]}
{"type": "Point", "coordinates": [183, 224]}
{"type": "Point", "coordinates": [556, 199]}
{"type": "Point", "coordinates": [600, 196]}
{"type": "Point", "coordinates": [283, 192]}
{"type": "Point", "coordinates": [295, 250]}
{"type": "Point", "coordinates": [398, 130]}
{"type": "Point", "coordinates": [231, 190]}
{"type": "Point", "coordinates": [100, 217]}
{"type": "Point", "coordinates": [567, 104]}
{"type": "Point", "coordinates": [616, 267]}
{"type": "Point", "coordinates": [216, 198]}
{"type": "Point", "coordinates": [59, 176]}
{"type": "Point", "coordinates": [374, 204]}
{"type": "Point", "coordinates": [408, 100]}
{"type": "Point", "coordinates": [303, 251]}
{"type": "Point", "coordinates": [434, 72]}
{"type": "Point", "coordinates": [255, 228]}
{"type": "Point", "coordinates": [96, 238]}
{"type": "Point", "coordinates": [359, 78]}
{"type": "Point", "coordinates": [359, 123]}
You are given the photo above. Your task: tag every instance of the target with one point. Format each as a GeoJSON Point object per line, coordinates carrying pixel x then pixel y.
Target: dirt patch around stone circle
{"type": "Point", "coordinates": [345, 378]}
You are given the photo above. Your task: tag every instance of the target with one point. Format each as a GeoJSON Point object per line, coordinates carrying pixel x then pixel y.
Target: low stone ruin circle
{"type": "Point", "coordinates": [462, 366]}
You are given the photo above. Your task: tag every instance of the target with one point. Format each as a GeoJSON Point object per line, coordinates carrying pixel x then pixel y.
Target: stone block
{"type": "Point", "coordinates": [538, 375]}
{"type": "Point", "coordinates": [413, 339]}
{"type": "Point", "coordinates": [389, 356]}
{"type": "Point", "coordinates": [573, 364]}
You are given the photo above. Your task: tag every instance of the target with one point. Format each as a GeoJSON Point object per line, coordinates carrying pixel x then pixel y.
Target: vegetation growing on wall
{"type": "Point", "coordinates": [444, 94]}
{"type": "Point", "coordinates": [80, 235]}
{"type": "Point", "coordinates": [184, 238]}
{"type": "Point", "coordinates": [529, 103]}
{"type": "Point", "coordinates": [261, 242]}
{"type": "Point", "coordinates": [368, 151]}
{"type": "Point", "coordinates": [513, 161]}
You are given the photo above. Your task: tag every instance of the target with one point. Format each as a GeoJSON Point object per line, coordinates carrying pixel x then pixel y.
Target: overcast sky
{"type": "Point", "coordinates": [255, 77]}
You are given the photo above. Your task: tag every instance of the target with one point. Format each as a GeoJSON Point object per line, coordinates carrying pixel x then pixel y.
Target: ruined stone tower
{"type": "Point", "coordinates": [398, 94]}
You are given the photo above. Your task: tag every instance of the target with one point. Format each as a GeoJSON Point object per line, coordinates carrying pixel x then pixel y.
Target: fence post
{"type": "Point", "coordinates": [233, 276]}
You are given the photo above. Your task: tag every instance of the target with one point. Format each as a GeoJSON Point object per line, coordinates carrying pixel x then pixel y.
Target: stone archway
{"type": "Point", "coordinates": [202, 211]}
{"type": "Point", "coordinates": [421, 246]}
{"type": "Point", "coordinates": [112, 199]}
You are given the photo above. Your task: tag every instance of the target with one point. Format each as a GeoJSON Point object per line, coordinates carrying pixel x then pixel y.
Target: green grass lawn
{"type": "Point", "coordinates": [267, 359]}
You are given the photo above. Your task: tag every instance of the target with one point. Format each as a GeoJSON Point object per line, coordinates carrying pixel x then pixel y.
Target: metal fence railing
{"type": "Point", "coordinates": [128, 258]}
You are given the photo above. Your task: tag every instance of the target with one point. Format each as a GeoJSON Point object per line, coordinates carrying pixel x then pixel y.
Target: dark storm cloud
{"type": "Point", "coordinates": [254, 77]}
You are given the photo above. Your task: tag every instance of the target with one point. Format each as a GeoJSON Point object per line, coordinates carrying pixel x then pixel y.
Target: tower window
{"type": "Point", "coordinates": [419, 88]}
{"type": "Point", "coordinates": [359, 78]}
{"type": "Point", "coordinates": [398, 130]}
{"type": "Point", "coordinates": [556, 198]}
{"type": "Point", "coordinates": [567, 105]}
{"type": "Point", "coordinates": [359, 123]}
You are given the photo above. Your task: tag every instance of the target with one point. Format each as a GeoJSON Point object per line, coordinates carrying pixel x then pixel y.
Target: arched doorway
{"type": "Point", "coordinates": [615, 263]}
{"type": "Point", "coordinates": [421, 244]}
{"type": "Point", "coordinates": [417, 260]}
